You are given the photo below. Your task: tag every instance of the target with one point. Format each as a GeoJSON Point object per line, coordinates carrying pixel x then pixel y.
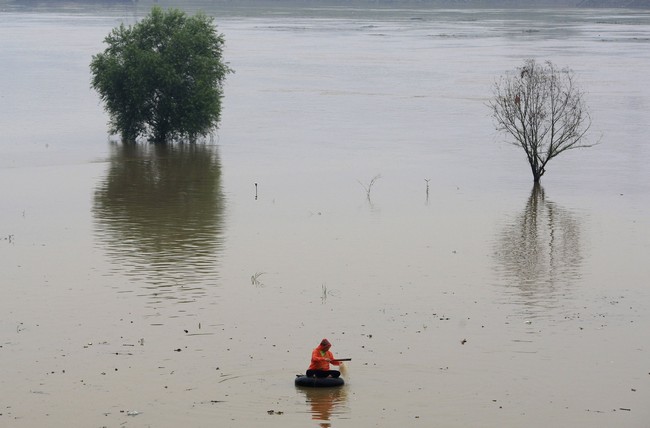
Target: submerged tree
{"type": "Point", "coordinates": [543, 110]}
{"type": "Point", "coordinates": [162, 78]}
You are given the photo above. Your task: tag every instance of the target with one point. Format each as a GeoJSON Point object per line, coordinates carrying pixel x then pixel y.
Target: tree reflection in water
{"type": "Point", "coordinates": [159, 215]}
{"type": "Point", "coordinates": [325, 402]}
{"type": "Point", "coordinates": [538, 254]}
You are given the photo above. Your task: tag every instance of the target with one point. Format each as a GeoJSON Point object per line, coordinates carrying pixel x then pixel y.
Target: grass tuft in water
{"type": "Point", "coordinates": [255, 279]}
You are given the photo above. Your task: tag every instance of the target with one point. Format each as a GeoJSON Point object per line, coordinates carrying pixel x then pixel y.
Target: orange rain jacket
{"type": "Point", "coordinates": [319, 358]}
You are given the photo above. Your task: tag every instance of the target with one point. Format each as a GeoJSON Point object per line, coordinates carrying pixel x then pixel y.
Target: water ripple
{"type": "Point", "coordinates": [159, 217]}
{"type": "Point", "coordinates": [538, 255]}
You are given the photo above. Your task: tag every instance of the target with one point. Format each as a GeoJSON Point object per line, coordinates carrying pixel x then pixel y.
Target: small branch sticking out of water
{"type": "Point", "coordinates": [427, 181]}
{"type": "Point", "coordinates": [368, 188]}
{"type": "Point", "coordinates": [255, 279]}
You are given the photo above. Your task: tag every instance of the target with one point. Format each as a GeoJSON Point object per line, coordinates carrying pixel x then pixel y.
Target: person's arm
{"type": "Point", "coordinates": [332, 360]}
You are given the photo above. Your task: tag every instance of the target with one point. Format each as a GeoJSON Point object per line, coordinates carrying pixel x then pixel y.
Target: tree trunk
{"type": "Point", "coordinates": [537, 174]}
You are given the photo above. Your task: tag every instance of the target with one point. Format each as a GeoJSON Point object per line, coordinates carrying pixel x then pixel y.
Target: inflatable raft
{"type": "Point", "coordinates": [318, 382]}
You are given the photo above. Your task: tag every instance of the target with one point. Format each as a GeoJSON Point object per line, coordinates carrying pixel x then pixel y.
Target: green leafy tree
{"type": "Point", "coordinates": [162, 78]}
{"type": "Point", "coordinates": [542, 110]}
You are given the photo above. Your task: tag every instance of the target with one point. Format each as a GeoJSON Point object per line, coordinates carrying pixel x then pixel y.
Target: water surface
{"type": "Point", "coordinates": [163, 282]}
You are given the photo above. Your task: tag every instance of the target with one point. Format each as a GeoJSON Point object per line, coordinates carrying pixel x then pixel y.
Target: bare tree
{"type": "Point", "coordinates": [543, 111]}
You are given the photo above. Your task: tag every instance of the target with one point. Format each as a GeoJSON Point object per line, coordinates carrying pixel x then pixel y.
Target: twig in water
{"type": "Point", "coordinates": [368, 188]}
{"type": "Point", "coordinates": [427, 181]}
{"type": "Point", "coordinates": [255, 279]}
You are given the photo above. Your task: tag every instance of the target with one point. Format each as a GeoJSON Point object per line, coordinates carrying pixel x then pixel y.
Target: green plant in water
{"type": "Point", "coordinates": [162, 77]}
{"type": "Point", "coordinates": [255, 279]}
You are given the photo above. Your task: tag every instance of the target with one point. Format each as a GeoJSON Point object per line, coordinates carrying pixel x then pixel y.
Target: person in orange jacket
{"type": "Point", "coordinates": [321, 358]}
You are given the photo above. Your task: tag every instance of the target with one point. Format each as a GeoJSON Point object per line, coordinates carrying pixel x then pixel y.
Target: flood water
{"type": "Point", "coordinates": [147, 287]}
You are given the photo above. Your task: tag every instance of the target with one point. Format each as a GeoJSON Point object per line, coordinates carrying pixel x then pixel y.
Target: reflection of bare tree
{"type": "Point", "coordinates": [159, 214]}
{"type": "Point", "coordinates": [539, 252]}
{"type": "Point", "coordinates": [325, 402]}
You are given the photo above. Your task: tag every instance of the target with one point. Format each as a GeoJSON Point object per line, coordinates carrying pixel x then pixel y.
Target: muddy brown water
{"type": "Point", "coordinates": [152, 287]}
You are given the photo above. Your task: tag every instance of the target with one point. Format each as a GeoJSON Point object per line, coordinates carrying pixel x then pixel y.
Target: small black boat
{"type": "Point", "coordinates": [318, 382]}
